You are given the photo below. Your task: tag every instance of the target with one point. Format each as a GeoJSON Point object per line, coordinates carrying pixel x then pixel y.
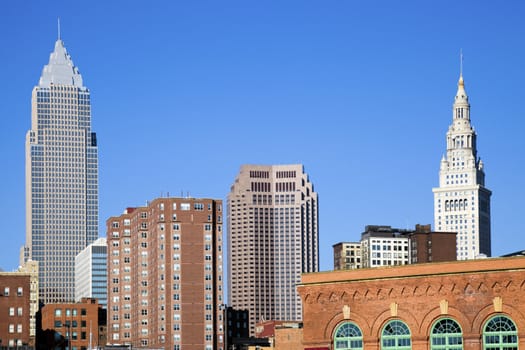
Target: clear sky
{"type": "Point", "coordinates": [360, 92]}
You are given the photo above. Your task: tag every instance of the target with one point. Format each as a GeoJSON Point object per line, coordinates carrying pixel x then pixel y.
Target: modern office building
{"type": "Point", "coordinates": [384, 245]}
{"type": "Point", "coordinates": [91, 276]}
{"type": "Point", "coordinates": [272, 239]}
{"type": "Point", "coordinates": [165, 277]}
{"type": "Point", "coordinates": [462, 202]}
{"type": "Point", "coordinates": [347, 255]}
{"type": "Point", "coordinates": [61, 177]}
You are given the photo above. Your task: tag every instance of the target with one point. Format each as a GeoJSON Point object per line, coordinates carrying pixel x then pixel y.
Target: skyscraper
{"type": "Point", "coordinates": [272, 239]}
{"type": "Point", "coordinates": [61, 176]}
{"type": "Point", "coordinates": [462, 202]}
{"type": "Point", "coordinates": [165, 275]}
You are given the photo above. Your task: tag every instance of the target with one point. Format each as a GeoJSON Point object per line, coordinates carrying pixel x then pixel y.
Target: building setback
{"type": "Point", "coordinates": [61, 177]}
{"type": "Point", "coordinates": [91, 275]}
{"type": "Point", "coordinates": [462, 202]}
{"type": "Point", "coordinates": [165, 275]}
{"type": "Point", "coordinates": [471, 305]}
{"type": "Point", "coordinates": [272, 239]}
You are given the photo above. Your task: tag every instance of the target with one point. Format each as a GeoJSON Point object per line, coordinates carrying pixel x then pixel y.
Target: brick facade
{"type": "Point", "coordinates": [15, 310]}
{"type": "Point", "coordinates": [469, 292]}
{"type": "Point", "coordinates": [76, 322]}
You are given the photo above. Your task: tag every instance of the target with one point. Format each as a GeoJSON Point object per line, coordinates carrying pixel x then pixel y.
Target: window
{"type": "Point", "coordinates": [185, 206]}
{"type": "Point", "coordinates": [11, 311]}
{"type": "Point", "coordinates": [500, 332]}
{"type": "Point", "coordinates": [446, 335]}
{"type": "Point", "coordinates": [396, 335]}
{"type": "Point", "coordinates": [6, 291]}
{"type": "Point", "coordinates": [198, 206]}
{"type": "Point", "coordinates": [348, 336]}
{"type": "Point", "coordinates": [20, 291]}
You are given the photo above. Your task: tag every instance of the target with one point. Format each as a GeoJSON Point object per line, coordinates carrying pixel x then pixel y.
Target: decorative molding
{"type": "Point", "coordinates": [393, 309]}
{"type": "Point", "coordinates": [448, 290]}
{"type": "Point", "coordinates": [346, 312]}
{"type": "Point", "coordinates": [443, 306]}
{"type": "Point", "coordinates": [498, 304]}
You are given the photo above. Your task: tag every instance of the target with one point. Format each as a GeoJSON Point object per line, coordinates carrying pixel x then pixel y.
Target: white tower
{"type": "Point", "coordinates": [461, 202]}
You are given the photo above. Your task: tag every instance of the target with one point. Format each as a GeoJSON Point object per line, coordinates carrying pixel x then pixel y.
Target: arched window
{"type": "Point", "coordinates": [446, 334]}
{"type": "Point", "coordinates": [396, 335]}
{"type": "Point", "coordinates": [500, 333]}
{"type": "Point", "coordinates": [348, 336]}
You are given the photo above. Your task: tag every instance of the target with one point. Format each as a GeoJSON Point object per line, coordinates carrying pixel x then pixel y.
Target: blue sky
{"type": "Point", "coordinates": [360, 92]}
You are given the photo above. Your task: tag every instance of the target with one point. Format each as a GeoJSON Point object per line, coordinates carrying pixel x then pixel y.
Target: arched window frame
{"type": "Point", "coordinates": [348, 336]}
{"type": "Point", "coordinates": [446, 334]}
{"type": "Point", "coordinates": [502, 335]}
{"type": "Point", "coordinates": [396, 335]}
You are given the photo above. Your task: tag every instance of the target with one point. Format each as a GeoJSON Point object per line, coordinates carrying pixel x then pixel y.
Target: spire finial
{"type": "Point", "coordinates": [58, 22]}
{"type": "Point", "coordinates": [460, 62]}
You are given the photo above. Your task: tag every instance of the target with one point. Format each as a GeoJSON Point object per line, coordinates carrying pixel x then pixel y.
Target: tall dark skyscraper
{"type": "Point", "coordinates": [61, 177]}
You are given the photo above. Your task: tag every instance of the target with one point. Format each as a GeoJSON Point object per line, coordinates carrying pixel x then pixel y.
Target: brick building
{"type": "Point", "coordinates": [165, 275]}
{"type": "Point", "coordinates": [282, 335]}
{"type": "Point", "coordinates": [15, 310]}
{"type": "Point", "coordinates": [473, 304]}
{"type": "Point", "coordinates": [78, 323]}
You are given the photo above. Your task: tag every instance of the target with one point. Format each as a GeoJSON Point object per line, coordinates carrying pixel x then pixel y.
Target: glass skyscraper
{"type": "Point", "coordinates": [61, 177]}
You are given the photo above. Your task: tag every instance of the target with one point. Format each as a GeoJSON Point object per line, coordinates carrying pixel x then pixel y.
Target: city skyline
{"type": "Point", "coordinates": [371, 86]}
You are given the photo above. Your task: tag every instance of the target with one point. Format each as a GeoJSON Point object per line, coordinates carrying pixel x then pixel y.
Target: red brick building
{"type": "Point", "coordinates": [165, 275]}
{"type": "Point", "coordinates": [76, 322]}
{"type": "Point", "coordinates": [473, 304]}
{"type": "Point", "coordinates": [15, 310]}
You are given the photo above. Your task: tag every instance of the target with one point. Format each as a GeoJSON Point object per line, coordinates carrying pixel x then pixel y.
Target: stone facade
{"type": "Point", "coordinates": [468, 292]}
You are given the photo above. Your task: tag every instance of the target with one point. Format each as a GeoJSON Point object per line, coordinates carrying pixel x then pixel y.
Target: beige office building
{"type": "Point", "coordinates": [165, 275]}
{"type": "Point", "coordinates": [347, 255]}
{"type": "Point", "coordinates": [272, 239]}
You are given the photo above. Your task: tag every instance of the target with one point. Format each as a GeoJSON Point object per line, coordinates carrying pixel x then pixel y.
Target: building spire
{"type": "Point", "coordinates": [461, 62]}
{"type": "Point", "coordinates": [58, 23]}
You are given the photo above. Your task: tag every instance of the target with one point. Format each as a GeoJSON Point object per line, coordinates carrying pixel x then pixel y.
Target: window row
{"type": "Point", "coordinates": [499, 332]}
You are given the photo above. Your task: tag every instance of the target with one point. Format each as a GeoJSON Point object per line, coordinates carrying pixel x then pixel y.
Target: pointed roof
{"type": "Point", "coordinates": [60, 70]}
{"type": "Point", "coordinates": [461, 95]}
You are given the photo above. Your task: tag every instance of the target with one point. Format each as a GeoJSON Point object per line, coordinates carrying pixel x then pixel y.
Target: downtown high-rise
{"type": "Point", "coordinates": [462, 202]}
{"type": "Point", "coordinates": [61, 177]}
{"type": "Point", "coordinates": [165, 276]}
{"type": "Point", "coordinates": [272, 240]}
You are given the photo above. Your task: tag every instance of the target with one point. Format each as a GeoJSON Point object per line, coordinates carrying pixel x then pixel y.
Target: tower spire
{"type": "Point", "coordinates": [58, 23]}
{"type": "Point", "coordinates": [461, 62]}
